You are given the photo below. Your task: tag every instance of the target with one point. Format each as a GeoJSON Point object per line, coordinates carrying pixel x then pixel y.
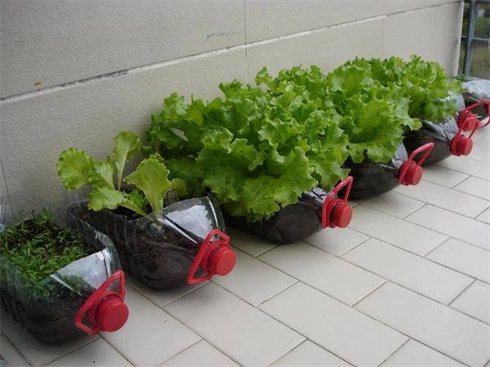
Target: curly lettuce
{"type": "Point", "coordinates": [257, 152]}
{"type": "Point", "coordinates": [147, 185]}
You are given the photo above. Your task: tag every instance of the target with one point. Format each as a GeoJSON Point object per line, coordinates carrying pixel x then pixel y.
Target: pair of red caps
{"type": "Point", "coordinates": [468, 121]}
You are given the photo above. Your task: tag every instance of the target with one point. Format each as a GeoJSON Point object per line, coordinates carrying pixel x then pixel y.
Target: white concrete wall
{"type": "Point", "coordinates": [74, 73]}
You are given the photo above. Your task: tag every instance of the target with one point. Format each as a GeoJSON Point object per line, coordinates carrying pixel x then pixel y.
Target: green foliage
{"type": "Point", "coordinates": [425, 83]}
{"type": "Point", "coordinates": [38, 247]}
{"type": "Point", "coordinates": [255, 151]}
{"type": "Point", "coordinates": [149, 183]}
{"type": "Point", "coordinates": [374, 101]}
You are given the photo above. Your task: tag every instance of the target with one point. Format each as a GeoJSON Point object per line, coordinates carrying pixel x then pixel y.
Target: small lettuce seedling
{"type": "Point", "coordinates": [38, 247]}
{"type": "Point", "coordinates": [147, 185]}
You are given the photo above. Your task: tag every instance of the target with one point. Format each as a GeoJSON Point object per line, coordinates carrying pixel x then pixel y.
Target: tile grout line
{"type": "Point", "coordinates": [435, 248]}
{"type": "Point", "coordinates": [182, 351]}
{"type": "Point", "coordinates": [392, 354]}
{"type": "Point", "coordinates": [447, 235]}
{"type": "Point", "coordinates": [416, 210]}
{"type": "Point", "coordinates": [366, 270]}
{"type": "Point", "coordinates": [285, 325]}
{"type": "Point", "coordinates": [265, 252]}
{"type": "Point", "coordinates": [430, 229]}
{"type": "Point", "coordinates": [476, 216]}
{"type": "Point", "coordinates": [160, 64]}
{"type": "Point", "coordinates": [465, 173]}
{"type": "Point", "coordinates": [296, 347]}
{"type": "Point", "coordinates": [440, 207]}
{"type": "Point", "coordinates": [345, 253]}
{"type": "Point", "coordinates": [16, 349]}
{"type": "Point", "coordinates": [460, 293]}
{"type": "Point", "coordinates": [420, 256]}
{"type": "Point", "coordinates": [273, 295]}
{"type": "Point", "coordinates": [406, 335]}
{"type": "Point", "coordinates": [370, 292]}
{"type": "Point", "coordinates": [198, 334]}
{"type": "Point", "coordinates": [161, 308]}
{"type": "Point", "coordinates": [464, 313]}
{"type": "Point", "coordinates": [352, 308]}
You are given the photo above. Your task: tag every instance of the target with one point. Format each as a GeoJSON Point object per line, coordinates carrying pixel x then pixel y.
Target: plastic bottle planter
{"type": "Point", "coordinates": [449, 137]}
{"type": "Point", "coordinates": [468, 120]}
{"type": "Point", "coordinates": [314, 210]}
{"type": "Point", "coordinates": [186, 245]}
{"type": "Point", "coordinates": [84, 297]}
{"type": "Point", "coordinates": [475, 90]}
{"type": "Point", "coordinates": [372, 179]}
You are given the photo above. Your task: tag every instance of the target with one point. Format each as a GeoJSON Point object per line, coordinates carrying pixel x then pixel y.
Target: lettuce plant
{"type": "Point", "coordinates": [38, 247]}
{"type": "Point", "coordinates": [371, 115]}
{"type": "Point", "coordinates": [425, 83]}
{"type": "Point", "coordinates": [256, 152]}
{"type": "Point", "coordinates": [145, 188]}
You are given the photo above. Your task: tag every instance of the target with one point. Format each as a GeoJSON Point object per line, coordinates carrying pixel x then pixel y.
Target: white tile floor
{"type": "Point", "coordinates": [408, 284]}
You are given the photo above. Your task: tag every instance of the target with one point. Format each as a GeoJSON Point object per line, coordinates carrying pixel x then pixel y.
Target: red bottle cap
{"type": "Point", "coordinates": [413, 174]}
{"type": "Point", "coordinates": [111, 314]}
{"type": "Point", "coordinates": [221, 261]}
{"type": "Point", "coordinates": [464, 146]}
{"type": "Point", "coordinates": [342, 215]}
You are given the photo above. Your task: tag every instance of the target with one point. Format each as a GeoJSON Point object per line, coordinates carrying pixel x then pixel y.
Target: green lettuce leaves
{"type": "Point", "coordinates": [146, 186]}
{"type": "Point", "coordinates": [257, 152]}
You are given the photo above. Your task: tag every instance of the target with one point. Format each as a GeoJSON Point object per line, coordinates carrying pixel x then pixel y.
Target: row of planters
{"type": "Point", "coordinates": [278, 160]}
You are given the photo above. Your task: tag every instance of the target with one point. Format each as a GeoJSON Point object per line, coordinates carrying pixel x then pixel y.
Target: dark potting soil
{"type": "Point", "coordinates": [158, 256]}
{"type": "Point", "coordinates": [441, 134]}
{"type": "Point", "coordinates": [371, 178]}
{"type": "Point", "coordinates": [292, 223]}
{"type": "Point", "coordinates": [49, 319]}
{"type": "Point", "coordinates": [47, 309]}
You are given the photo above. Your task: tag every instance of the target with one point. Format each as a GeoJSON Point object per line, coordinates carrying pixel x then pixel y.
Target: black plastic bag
{"type": "Point", "coordinates": [81, 298]}
{"type": "Point", "coordinates": [372, 178]}
{"type": "Point", "coordinates": [186, 245]}
{"type": "Point", "coordinates": [314, 210]}
{"type": "Point", "coordinates": [449, 136]}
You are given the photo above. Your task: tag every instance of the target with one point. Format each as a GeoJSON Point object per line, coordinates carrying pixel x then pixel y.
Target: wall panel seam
{"type": "Point", "coordinates": [245, 46]}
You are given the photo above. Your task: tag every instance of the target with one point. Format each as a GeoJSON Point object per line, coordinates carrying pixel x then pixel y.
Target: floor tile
{"type": "Point", "coordinates": [413, 353]}
{"type": "Point", "coordinates": [237, 329]}
{"type": "Point", "coordinates": [336, 241]}
{"type": "Point", "coordinates": [10, 354]}
{"type": "Point", "coordinates": [485, 216]}
{"type": "Point", "coordinates": [35, 352]}
{"type": "Point", "coordinates": [200, 354]}
{"type": "Point", "coordinates": [409, 270]}
{"type": "Point", "coordinates": [325, 272]}
{"type": "Point", "coordinates": [336, 327]}
{"type": "Point", "coordinates": [475, 186]}
{"type": "Point", "coordinates": [393, 204]}
{"type": "Point", "coordinates": [98, 353]}
{"type": "Point", "coordinates": [481, 133]}
{"type": "Point", "coordinates": [446, 330]}
{"type": "Point", "coordinates": [150, 336]}
{"type": "Point", "coordinates": [311, 355]}
{"type": "Point", "coordinates": [454, 225]}
{"type": "Point", "coordinates": [445, 198]}
{"type": "Point", "coordinates": [443, 176]}
{"type": "Point", "coordinates": [475, 301]}
{"type": "Point", "coordinates": [395, 231]}
{"type": "Point", "coordinates": [465, 258]}
{"type": "Point", "coordinates": [165, 296]}
{"type": "Point", "coordinates": [481, 150]}
{"type": "Point", "coordinates": [248, 243]}
{"type": "Point", "coordinates": [254, 281]}
{"type": "Point", "coordinates": [467, 166]}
